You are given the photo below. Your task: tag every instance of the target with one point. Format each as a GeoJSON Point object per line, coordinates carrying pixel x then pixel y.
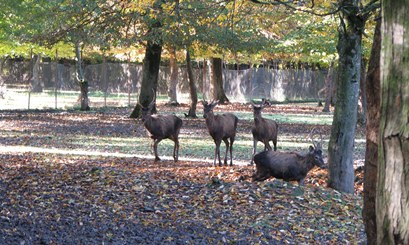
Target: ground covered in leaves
{"type": "Point", "coordinates": [107, 196]}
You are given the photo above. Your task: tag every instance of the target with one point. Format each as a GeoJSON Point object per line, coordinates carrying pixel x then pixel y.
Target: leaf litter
{"type": "Point", "coordinates": [50, 198]}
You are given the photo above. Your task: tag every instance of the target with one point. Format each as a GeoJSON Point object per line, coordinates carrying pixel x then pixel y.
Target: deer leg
{"type": "Point", "coordinates": [176, 150]}
{"type": "Point", "coordinates": [254, 151]}
{"type": "Point", "coordinates": [226, 141]}
{"type": "Point", "coordinates": [275, 144]}
{"type": "Point", "coordinates": [217, 152]}
{"type": "Point", "coordinates": [261, 177]}
{"type": "Point", "coordinates": [155, 149]}
{"type": "Point", "coordinates": [231, 151]}
{"type": "Point", "coordinates": [267, 146]}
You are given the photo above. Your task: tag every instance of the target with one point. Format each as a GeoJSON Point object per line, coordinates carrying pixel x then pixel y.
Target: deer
{"type": "Point", "coordinates": [264, 130]}
{"type": "Point", "coordinates": [288, 166]}
{"type": "Point", "coordinates": [161, 127]}
{"type": "Point", "coordinates": [221, 128]}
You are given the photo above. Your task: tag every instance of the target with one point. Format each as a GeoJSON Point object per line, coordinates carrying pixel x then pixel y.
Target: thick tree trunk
{"type": "Point", "coordinates": [172, 92]}
{"type": "Point", "coordinates": [341, 145]}
{"type": "Point", "coordinates": [192, 87]}
{"type": "Point", "coordinates": [372, 127]}
{"type": "Point", "coordinates": [81, 79]}
{"type": "Point", "coordinates": [150, 72]}
{"type": "Point", "coordinates": [392, 200]}
{"type": "Point", "coordinates": [36, 83]}
{"type": "Point", "coordinates": [216, 81]}
{"type": "Point", "coordinates": [205, 79]}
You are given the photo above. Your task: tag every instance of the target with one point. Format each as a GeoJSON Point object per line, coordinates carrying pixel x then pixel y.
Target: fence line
{"type": "Point", "coordinates": [118, 84]}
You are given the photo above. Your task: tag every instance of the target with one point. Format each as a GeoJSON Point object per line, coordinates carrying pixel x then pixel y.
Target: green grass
{"type": "Point", "coordinates": [320, 119]}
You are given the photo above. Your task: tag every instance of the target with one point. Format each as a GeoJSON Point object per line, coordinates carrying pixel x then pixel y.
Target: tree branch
{"type": "Point", "coordinates": [289, 5]}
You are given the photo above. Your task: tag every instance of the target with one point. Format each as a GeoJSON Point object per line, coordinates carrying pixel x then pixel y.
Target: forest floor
{"type": "Point", "coordinates": [70, 177]}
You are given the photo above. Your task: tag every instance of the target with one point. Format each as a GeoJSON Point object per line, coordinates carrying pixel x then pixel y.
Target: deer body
{"type": "Point", "coordinates": [221, 128]}
{"type": "Point", "coordinates": [264, 130]}
{"type": "Point", "coordinates": [162, 127]}
{"type": "Point", "coordinates": [289, 166]}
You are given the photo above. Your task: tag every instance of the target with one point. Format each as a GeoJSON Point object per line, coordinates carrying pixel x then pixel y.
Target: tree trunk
{"type": "Point", "coordinates": [372, 128]}
{"type": "Point", "coordinates": [104, 78]}
{"type": "Point", "coordinates": [329, 88]}
{"type": "Point", "coordinates": [192, 87]}
{"type": "Point", "coordinates": [392, 194]}
{"type": "Point", "coordinates": [81, 79]}
{"type": "Point", "coordinates": [36, 83]}
{"type": "Point", "coordinates": [150, 72]}
{"type": "Point", "coordinates": [205, 80]}
{"type": "Point", "coordinates": [172, 92]}
{"type": "Point", "coordinates": [362, 104]}
{"type": "Point", "coordinates": [341, 144]}
{"type": "Point", "coordinates": [216, 81]}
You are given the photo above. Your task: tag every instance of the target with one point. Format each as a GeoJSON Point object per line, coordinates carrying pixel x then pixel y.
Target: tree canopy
{"type": "Point", "coordinates": [238, 31]}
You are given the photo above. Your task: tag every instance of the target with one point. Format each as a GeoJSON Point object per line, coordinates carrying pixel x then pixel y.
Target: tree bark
{"type": "Point", "coordinates": [150, 72]}
{"type": "Point", "coordinates": [362, 105]}
{"type": "Point", "coordinates": [341, 144]}
{"type": "Point", "coordinates": [216, 81]}
{"type": "Point", "coordinates": [192, 87]}
{"type": "Point", "coordinates": [392, 200]}
{"type": "Point", "coordinates": [329, 88]}
{"type": "Point", "coordinates": [36, 83]}
{"type": "Point", "coordinates": [172, 92]}
{"type": "Point", "coordinates": [81, 79]}
{"type": "Point", "coordinates": [372, 127]}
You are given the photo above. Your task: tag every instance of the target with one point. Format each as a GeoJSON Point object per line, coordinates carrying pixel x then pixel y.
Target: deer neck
{"type": "Point", "coordinates": [147, 119]}
{"type": "Point", "coordinates": [308, 163]}
{"type": "Point", "coordinates": [257, 118]}
{"type": "Point", "coordinates": [210, 119]}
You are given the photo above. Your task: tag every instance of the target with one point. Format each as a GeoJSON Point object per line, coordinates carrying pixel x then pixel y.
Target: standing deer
{"type": "Point", "coordinates": [221, 127]}
{"type": "Point", "coordinates": [264, 130]}
{"type": "Point", "coordinates": [289, 166]}
{"type": "Point", "coordinates": [161, 127]}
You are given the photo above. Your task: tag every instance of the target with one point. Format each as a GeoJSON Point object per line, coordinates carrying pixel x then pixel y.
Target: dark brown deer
{"type": "Point", "coordinates": [264, 130]}
{"type": "Point", "coordinates": [162, 127]}
{"type": "Point", "coordinates": [221, 127]}
{"type": "Point", "coordinates": [289, 166]}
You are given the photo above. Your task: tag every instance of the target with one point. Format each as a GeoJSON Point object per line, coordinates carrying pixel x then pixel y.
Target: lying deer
{"type": "Point", "coordinates": [264, 130]}
{"type": "Point", "coordinates": [289, 166]}
{"type": "Point", "coordinates": [221, 127]}
{"type": "Point", "coordinates": [161, 127]}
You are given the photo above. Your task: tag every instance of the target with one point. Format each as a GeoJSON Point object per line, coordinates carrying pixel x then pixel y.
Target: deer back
{"type": "Point", "coordinates": [284, 165]}
{"type": "Point", "coordinates": [223, 125]}
{"type": "Point", "coordinates": [163, 126]}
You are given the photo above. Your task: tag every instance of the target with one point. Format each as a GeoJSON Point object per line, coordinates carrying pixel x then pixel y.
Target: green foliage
{"type": "Point", "coordinates": [238, 31]}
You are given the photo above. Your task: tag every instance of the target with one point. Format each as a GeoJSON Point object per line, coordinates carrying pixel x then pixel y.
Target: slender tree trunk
{"type": "Point", "coordinates": [372, 128]}
{"type": "Point", "coordinates": [81, 79]}
{"type": "Point", "coordinates": [192, 87]}
{"type": "Point", "coordinates": [329, 88]}
{"type": "Point", "coordinates": [172, 92]}
{"type": "Point", "coordinates": [150, 72]}
{"type": "Point", "coordinates": [104, 78]}
{"type": "Point", "coordinates": [392, 195]}
{"type": "Point", "coordinates": [341, 145]}
{"type": "Point", "coordinates": [216, 81]}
